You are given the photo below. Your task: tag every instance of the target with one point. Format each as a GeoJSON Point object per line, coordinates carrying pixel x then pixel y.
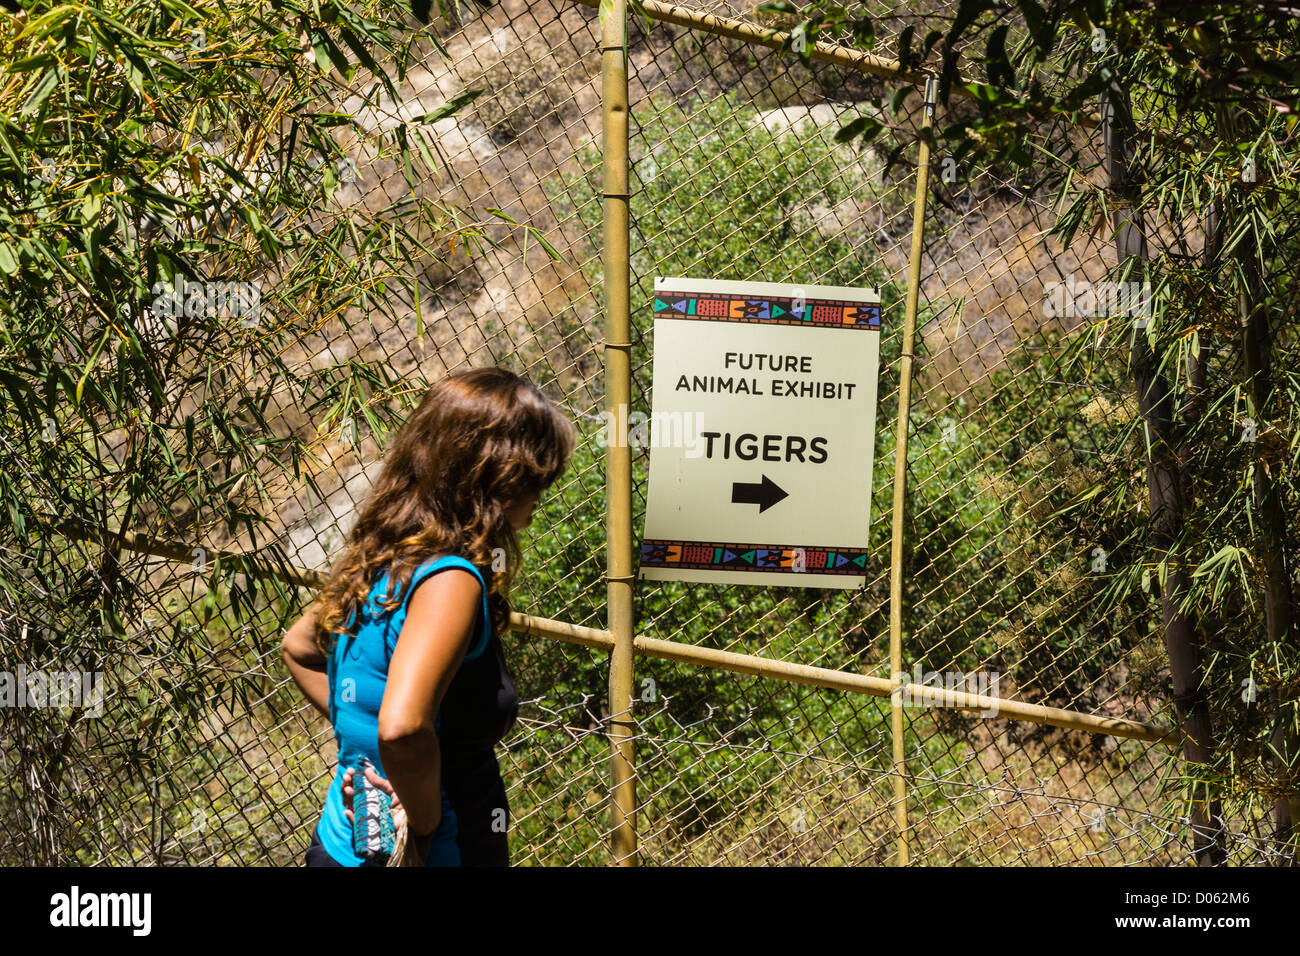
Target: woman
{"type": "Point", "coordinates": [402, 647]}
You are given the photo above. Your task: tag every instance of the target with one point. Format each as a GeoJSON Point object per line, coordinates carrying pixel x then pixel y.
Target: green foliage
{"type": "Point", "coordinates": [181, 218]}
{"type": "Point", "coordinates": [1203, 99]}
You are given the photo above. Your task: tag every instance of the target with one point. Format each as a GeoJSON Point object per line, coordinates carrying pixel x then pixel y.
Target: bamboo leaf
{"type": "Point", "coordinates": [452, 106]}
{"type": "Point", "coordinates": [44, 87]}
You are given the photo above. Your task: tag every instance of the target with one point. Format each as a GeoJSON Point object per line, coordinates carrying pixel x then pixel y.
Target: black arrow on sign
{"type": "Point", "coordinates": [764, 494]}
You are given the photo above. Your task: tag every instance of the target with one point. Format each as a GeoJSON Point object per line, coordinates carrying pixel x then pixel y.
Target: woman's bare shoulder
{"type": "Point", "coordinates": [453, 583]}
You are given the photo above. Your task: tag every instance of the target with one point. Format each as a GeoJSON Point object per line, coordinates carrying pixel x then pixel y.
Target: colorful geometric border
{"type": "Point", "coordinates": [729, 556]}
{"type": "Point", "coordinates": [767, 310]}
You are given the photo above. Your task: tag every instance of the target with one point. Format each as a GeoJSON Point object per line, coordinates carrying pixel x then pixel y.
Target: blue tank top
{"type": "Point", "coordinates": [358, 673]}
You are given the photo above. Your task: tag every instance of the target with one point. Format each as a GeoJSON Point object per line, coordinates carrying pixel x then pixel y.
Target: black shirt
{"type": "Point", "coordinates": [478, 709]}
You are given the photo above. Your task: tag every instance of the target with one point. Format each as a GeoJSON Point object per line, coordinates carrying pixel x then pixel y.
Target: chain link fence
{"type": "Point", "coordinates": [203, 750]}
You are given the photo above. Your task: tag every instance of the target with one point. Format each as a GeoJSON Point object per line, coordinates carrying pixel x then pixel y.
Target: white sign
{"type": "Point", "coordinates": [769, 390]}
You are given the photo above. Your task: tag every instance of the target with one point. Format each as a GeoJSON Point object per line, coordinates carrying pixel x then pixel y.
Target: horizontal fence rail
{"type": "Point", "coordinates": [603, 639]}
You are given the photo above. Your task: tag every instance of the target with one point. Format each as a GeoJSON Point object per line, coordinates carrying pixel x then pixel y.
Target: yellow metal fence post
{"type": "Point", "coordinates": [618, 454]}
{"type": "Point", "coordinates": [900, 474]}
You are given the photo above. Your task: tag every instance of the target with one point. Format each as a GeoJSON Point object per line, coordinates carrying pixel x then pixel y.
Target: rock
{"type": "Point", "coordinates": [315, 535]}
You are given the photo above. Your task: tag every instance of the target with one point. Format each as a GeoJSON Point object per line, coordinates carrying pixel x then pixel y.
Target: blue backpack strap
{"type": "Point", "coordinates": [428, 568]}
{"type": "Point", "coordinates": [333, 695]}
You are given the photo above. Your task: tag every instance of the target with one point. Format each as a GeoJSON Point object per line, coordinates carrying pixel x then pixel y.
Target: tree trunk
{"type": "Point", "coordinates": [1165, 491]}
{"type": "Point", "coordinates": [1270, 541]}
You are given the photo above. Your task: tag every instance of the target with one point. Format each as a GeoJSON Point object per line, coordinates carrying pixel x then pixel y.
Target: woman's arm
{"type": "Point", "coordinates": [305, 661]}
{"type": "Point", "coordinates": [435, 637]}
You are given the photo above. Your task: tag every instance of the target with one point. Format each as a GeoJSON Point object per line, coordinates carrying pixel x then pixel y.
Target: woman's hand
{"type": "Point", "coordinates": [399, 813]}
{"type": "Point", "coordinates": [349, 793]}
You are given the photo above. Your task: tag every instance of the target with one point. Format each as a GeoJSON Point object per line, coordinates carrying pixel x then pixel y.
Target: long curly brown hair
{"type": "Point", "coordinates": [479, 441]}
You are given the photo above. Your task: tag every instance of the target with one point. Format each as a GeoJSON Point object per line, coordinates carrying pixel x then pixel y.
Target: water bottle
{"type": "Point", "coordinates": [372, 816]}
